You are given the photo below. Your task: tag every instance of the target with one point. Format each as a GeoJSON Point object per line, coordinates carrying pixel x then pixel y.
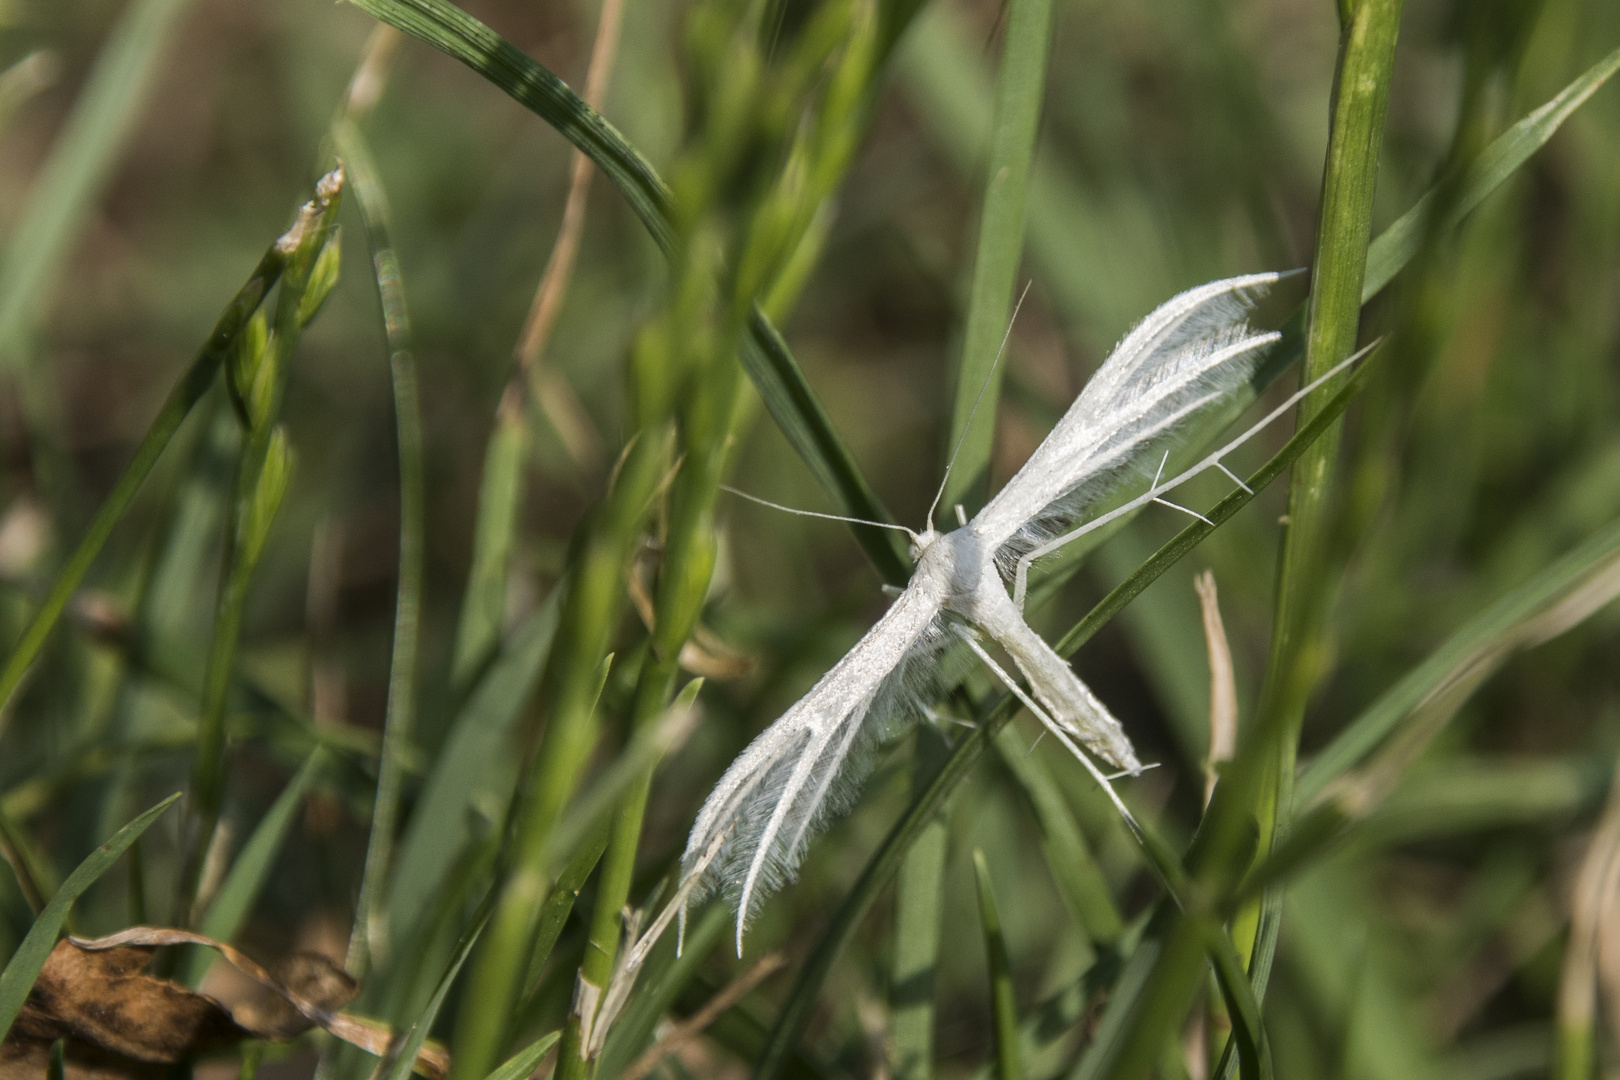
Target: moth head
{"type": "Point", "coordinates": [921, 542]}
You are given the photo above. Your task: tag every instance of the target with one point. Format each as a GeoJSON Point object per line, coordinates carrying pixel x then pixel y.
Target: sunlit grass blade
{"type": "Point", "coordinates": [765, 356]}
{"type": "Point", "coordinates": [233, 902]}
{"type": "Point", "coordinates": [1004, 1007]}
{"type": "Point", "coordinates": [81, 161]}
{"type": "Point", "coordinates": [24, 966]}
{"type": "Point", "coordinates": [1020, 90]}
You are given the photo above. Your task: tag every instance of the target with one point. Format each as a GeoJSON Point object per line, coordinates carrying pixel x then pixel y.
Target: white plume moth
{"type": "Point", "coordinates": [1179, 363]}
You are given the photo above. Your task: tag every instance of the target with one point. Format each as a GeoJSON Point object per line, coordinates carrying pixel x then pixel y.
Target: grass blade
{"type": "Point", "coordinates": [186, 393]}
{"type": "Point", "coordinates": [80, 163]}
{"type": "Point", "coordinates": [1009, 1063]}
{"type": "Point", "coordinates": [1399, 243]}
{"type": "Point", "coordinates": [1020, 88]}
{"type": "Point", "coordinates": [404, 1058]}
{"type": "Point", "coordinates": [500, 495]}
{"type": "Point", "coordinates": [918, 913]}
{"type": "Point", "coordinates": [25, 964]}
{"type": "Point", "coordinates": [438, 824]}
{"type": "Point", "coordinates": [371, 922]}
{"type": "Point", "coordinates": [1076, 873]}
{"type": "Point", "coordinates": [765, 356]}
{"type": "Point", "coordinates": [234, 901]}
{"type": "Point", "coordinates": [521, 1065]}
{"type": "Point", "coordinates": [1585, 576]}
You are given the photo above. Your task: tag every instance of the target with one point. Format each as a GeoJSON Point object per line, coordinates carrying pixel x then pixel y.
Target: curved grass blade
{"type": "Point", "coordinates": [371, 915]}
{"type": "Point", "coordinates": [1399, 243]}
{"type": "Point", "coordinates": [25, 964]}
{"type": "Point", "coordinates": [765, 356]}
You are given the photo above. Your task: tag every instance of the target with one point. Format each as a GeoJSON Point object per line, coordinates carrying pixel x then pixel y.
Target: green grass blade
{"type": "Point", "coordinates": [521, 1065]}
{"type": "Point", "coordinates": [186, 393]}
{"type": "Point", "coordinates": [560, 903]}
{"type": "Point", "coordinates": [80, 163]}
{"type": "Point", "coordinates": [919, 903]}
{"type": "Point", "coordinates": [1477, 648]}
{"type": "Point", "coordinates": [1248, 1027]}
{"type": "Point", "coordinates": [765, 356]}
{"type": "Point", "coordinates": [1076, 873]}
{"type": "Point", "coordinates": [240, 890]}
{"type": "Point", "coordinates": [1004, 1007]}
{"type": "Point", "coordinates": [500, 495]}
{"type": "Point", "coordinates": [404, 1059]}
{"type": "Point", "coordinates": [1020, 88]}
{"type": "Point", "coordinates": [371, 923]}
{"type": "Point", "coordinates": [1399, 243]}
{"type": "Point", "coordinates": [25, 964]}
{"type": "Point", "coordinates": [459, 35]}
{"type": "Point", "coordinates": [438, 826]}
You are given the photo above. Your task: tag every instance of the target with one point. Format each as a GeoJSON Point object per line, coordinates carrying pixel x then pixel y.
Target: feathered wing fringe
{"type": "Point", "coordinates": [1186, 356]}
{"type": "Point", "coordinates": [807, 768]}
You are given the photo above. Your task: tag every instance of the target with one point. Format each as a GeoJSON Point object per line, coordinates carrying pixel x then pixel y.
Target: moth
{"type": "Point", "coordinates": [806, 769]}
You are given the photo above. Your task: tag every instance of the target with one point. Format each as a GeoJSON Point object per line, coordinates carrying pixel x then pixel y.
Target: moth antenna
{"type": "Point", "coordinates": [962, 438]}
{"type": "Point", "coordinates": [816, 513]}
{"type": "Point", "coordinates": [1160, 471]}
{"type": "Point", "coordinates": [961, 515]}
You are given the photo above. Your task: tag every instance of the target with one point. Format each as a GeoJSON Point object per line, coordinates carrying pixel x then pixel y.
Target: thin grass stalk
{"type": "Point", "coordinates": [369, 935]}
{"type": "Point", "coordinates": [1004, 1007]}
{"type": "Point", "coordinates": [256, 493]}
{"type": "Point", "coordinates": [1020, 89]}
{"type": "Point", "coordinates": [590, 615]}
{"type": "Point", "coordinates": [1299, 647]}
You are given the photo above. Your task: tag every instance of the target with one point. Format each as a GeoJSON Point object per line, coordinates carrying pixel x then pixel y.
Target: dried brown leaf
{"type": "Point", "coordinates": [119, 1022]}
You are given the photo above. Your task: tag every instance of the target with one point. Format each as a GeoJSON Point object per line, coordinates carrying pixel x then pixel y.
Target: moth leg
{"type": "Point", "coordinates": [1051, 725]}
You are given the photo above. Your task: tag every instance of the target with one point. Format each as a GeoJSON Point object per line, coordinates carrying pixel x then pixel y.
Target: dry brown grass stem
{"type": "Point", "coordinates": [694, 1025]}
{"type": "Point", "coordinates": [1223, 708]}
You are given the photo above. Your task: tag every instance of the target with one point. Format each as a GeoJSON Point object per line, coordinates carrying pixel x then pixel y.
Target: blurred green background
{"type": "Point", "coordinates": [1181, 141]}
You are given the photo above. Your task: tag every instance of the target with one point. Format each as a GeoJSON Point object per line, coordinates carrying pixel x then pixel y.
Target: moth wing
{"type": "Point", "coordinates": [1187, 355]}
{"type": "Point", "coordinates": [806, 769]}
